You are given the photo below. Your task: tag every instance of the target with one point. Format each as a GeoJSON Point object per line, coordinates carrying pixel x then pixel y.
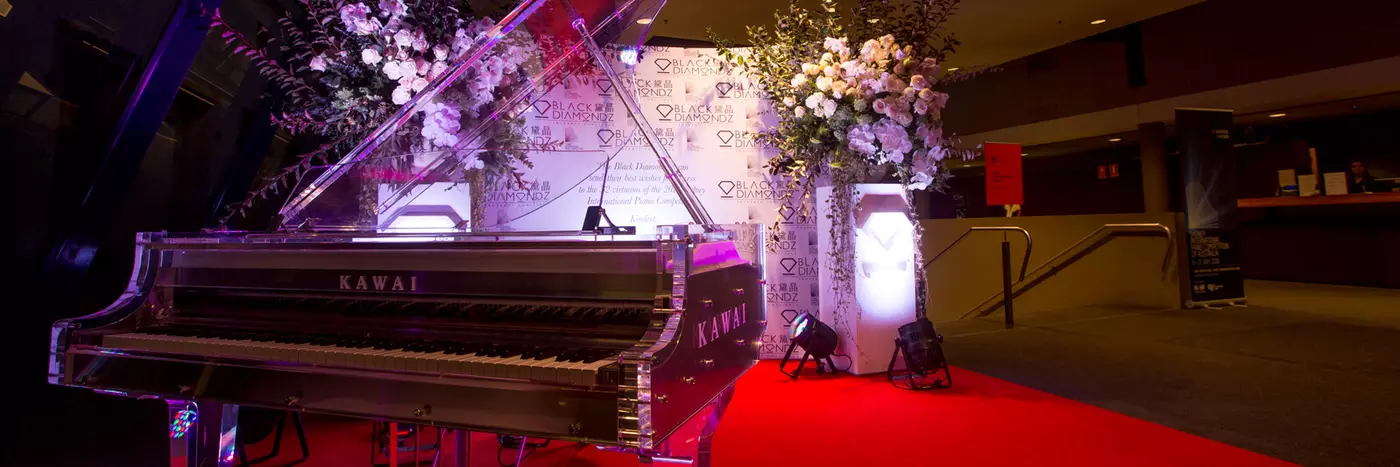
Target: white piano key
{"type": "Point", "coordinates": [548, 370]}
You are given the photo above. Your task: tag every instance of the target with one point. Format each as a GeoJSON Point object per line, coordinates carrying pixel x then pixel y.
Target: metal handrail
{"type": "Point", "coordinates": [1113, 231]}
{"type": "Point", "coordinates": [1025, 262]}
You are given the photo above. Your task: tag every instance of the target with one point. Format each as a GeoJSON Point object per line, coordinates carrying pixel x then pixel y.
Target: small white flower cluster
{"type": "Point", "coordinates": [403, 54]}
{"type": "Point", "coordinates": [889, 93]}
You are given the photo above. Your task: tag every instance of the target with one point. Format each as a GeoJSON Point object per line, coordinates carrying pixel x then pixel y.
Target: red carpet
{"type": "Point", "coordinates": [848, 421]}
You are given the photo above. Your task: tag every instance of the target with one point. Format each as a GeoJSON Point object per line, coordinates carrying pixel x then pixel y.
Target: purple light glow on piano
{"type": "Point", "coordinates": [716, 253]}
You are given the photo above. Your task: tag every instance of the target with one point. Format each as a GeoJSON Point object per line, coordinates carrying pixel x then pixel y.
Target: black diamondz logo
{"type": "Point", "coordinates": [663, 65]}
{"type": "Point", "coordinates": [789, 315]}
{"type": "Point", "coordinates": [666, 110]}
{"type": "Point", "coordinates": [542, 107]}
{"type": "Point", "coordinates": [724, 88]}
{"type": "Point", "coordinates": [725, 136]}
{"type": "Point", "coordinates": [604, 86]}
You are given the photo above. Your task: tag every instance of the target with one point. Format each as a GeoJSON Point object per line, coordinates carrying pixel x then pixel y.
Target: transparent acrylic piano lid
{"type": "Point", "coordinates": [465, 131]}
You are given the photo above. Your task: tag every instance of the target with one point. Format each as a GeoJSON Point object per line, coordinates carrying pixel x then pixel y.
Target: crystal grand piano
{"type": "Point", "coordinates": [612, 340]}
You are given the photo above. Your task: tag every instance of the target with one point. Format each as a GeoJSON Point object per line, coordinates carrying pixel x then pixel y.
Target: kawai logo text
{"type": "Point", "coordinates": [384, 283]}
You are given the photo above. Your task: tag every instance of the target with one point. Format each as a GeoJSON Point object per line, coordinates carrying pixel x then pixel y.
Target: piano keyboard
{"type": "Point", "coordinates": [578, 367]}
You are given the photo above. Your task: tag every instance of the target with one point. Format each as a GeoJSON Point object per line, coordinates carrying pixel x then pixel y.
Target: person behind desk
{"type": "Point", "coordinates": [1361, 181]}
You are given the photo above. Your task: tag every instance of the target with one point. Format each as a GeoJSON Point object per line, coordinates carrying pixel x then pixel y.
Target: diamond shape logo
{"type": "Point", "coordinates": [788, 264]}
{"type": "Point", "coordinates": [883, 218]}
{"type": "Point", "coordinates": [604, 86]}
{"type": "Point", "coordinates": [606, 136]}
{"type": "Point", "coordinates": [789, 315]}
{"type": "Point", "coordinates": [726, 187]}
{"type": "Point", "coordinates": [725, 136]}
{"type": "Point", "coordinates": [663, 65]}
{"type": "Point", "coordinates": [723, 88]}
{"type": "Point", "coordinates": [541, 107]}
{"type": "Point", "coordinates": [786, 211]}
{"type": "Point", "coordinates": [665, 110]}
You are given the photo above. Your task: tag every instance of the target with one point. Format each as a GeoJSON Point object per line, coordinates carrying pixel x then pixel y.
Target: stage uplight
{"type": "Point", "coordinates": [818, 341]}
{"type": "Point", "coordinates": [923, 357]}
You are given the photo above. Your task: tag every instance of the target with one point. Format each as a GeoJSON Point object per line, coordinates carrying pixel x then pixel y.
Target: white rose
{"type": "Point", "coordinates": [799, 80]}
{"type": "Point", "coordinates": [811, 69]}
{"type": "Point", "coordinates": [420, 44]}
{"type": "Point", "coordinates": [910, 93]}
{"type": "Point", "coordinates": [403, 38]}
{"type": "Point", "coordinates": [407, 69]}
{"type": "Point", "coordinates": [401, 95]}
{"type": "Point", "coordinates": [437, 69]}
{"type": "Point", "coordinates": [391, 69]}
{"type": "Point", "coordinates": [440, 52]}
{"type": "Point", "coordinates": [823, 83]}
{"type": "Point", "coordinates": [418, 84]}
{"type": "Point", "coordinates": [921, 107]}
{"type": "Point", "coordinates": [800, 112]}
{"type": "Point", "coordinates": [826, 57]}
{"type": "Point", "coordinates": [828, 108]}
{"type": "Point", "coordinates": [815, 100]}
{"type": "Point", "coordinates": [789, 101]}
{"type": "Point", "coordinates": [370, 56]}
{"type": "Point", "coordinates": [926, 94]}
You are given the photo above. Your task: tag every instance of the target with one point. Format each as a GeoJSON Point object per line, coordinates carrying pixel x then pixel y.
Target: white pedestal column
{"type": "Point", "coordinates": [883, 298]}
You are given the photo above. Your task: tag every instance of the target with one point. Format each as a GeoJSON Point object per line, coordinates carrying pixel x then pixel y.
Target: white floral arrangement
{"type": "Point", "coordinates": [856, 101]}
{"type": "Point", "coordinates": [353, 65]}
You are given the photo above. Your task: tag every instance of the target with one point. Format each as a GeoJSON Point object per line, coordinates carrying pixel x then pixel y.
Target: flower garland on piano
{"type": "Point", "coordinates": [856, 102]}
{"type": "Point", "coordinates": [347, 67]}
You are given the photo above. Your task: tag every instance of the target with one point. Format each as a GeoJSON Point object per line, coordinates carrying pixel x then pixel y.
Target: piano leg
{"type": "Point", "coordinates": [702, 447]}
{"type": "Point", "coordinates": [202, 434]}
{"type": "Point", "coordinates": [462, 456]}
{"type": "Point", "coordinates": [702, 441]}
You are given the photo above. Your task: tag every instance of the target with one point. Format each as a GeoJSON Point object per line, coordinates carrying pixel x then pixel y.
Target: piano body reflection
{"type": "Point", "coordinates": [617, 341]}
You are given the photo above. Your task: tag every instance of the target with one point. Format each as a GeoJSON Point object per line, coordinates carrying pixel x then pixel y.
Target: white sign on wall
{"type": "Point", "coordinates": [706, 119]}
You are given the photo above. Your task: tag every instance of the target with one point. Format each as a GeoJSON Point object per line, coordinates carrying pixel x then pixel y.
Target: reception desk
{"type": "Point", "coordinates": [1343, 239]}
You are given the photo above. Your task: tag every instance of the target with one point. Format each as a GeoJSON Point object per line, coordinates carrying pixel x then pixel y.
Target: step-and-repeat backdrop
{"type": "Point", "coordinates": [706, 119]}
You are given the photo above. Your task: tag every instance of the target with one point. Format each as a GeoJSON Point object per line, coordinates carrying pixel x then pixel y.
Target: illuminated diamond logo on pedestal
{"type": "Point", "coordinates": [882, 293]}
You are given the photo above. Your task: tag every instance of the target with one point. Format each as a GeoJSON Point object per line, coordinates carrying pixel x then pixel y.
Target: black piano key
{"type": "Point", "coordinates": [509, 351]}
{"type": "Point", "coordinates": [547, 353]}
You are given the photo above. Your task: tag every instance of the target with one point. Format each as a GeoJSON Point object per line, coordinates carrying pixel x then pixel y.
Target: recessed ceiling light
{"type": "Point", "coordinates": [644, 21]}
{"type": "Point", "coordinates": [1277, 115]}
{"type": "Point", "coordinates": [953, 69]}
{"type": "Point", "coordinates": [1024, 154]}
{"type": "Point", "coordinates": [1098, 21]}
{"type": "Point", "coordinates": [1114, 140]}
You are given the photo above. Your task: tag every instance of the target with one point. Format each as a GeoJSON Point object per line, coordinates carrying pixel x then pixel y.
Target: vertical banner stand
{"type": "Point", "coordinates": [1208, 183]}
